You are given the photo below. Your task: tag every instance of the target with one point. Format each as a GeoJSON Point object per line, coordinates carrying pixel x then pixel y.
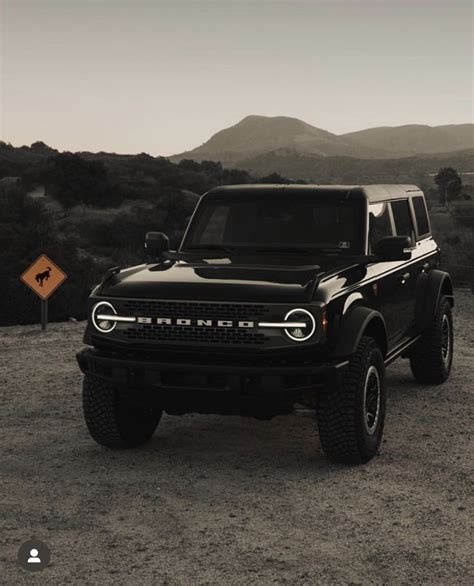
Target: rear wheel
{"type": "Point", "coordinates": [432, 356]}
{"type": "Point", "coordinates": [112, 420]}
{"type": "Point", "coordinates": [351, 417]}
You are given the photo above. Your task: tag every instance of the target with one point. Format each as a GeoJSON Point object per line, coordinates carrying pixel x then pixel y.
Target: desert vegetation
{"type": "Point", "coordinates": [93, 211]}
{"type": "Point", "coordinates": [93, 215]}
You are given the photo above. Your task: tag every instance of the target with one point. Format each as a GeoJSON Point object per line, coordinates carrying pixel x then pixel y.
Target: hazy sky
{"type": "Point", "coordinates": [162, 77]}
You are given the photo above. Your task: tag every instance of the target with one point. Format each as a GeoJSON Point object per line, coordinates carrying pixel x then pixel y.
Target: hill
{"type": "Point", "coordinates": [413, 139]}
{"type": "Point", "coordinates": [339, 169]}
{"type": "Point", "coordinates": [258, 135]}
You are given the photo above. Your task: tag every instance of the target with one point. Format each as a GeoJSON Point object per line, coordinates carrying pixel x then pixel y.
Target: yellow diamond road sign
{"type": "Point", "coordinates": [43, 276]}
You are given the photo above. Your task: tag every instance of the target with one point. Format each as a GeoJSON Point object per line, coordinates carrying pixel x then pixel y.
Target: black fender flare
{"type": "Point", "coordinates": [430, 288]}
{"type": "Point", "coordinates": [358, 322]}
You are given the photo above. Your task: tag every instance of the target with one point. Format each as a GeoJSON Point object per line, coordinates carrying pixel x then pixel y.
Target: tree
{"type": "Point", "coordinates": [235, 177]}
{"type": "Point", "coordinates": [275, 178]}
{"type": "Point", "coordinates": [449, 184]}
{"type": "Point", "coordinates": [41, 148]}
{"type": "Point", "coordinates": [72, 180]}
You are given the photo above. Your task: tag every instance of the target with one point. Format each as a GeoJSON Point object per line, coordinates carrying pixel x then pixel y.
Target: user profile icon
{"type": "Point", "coordinates": [34, 555]}
{"type": "Point", "coordinates": [34, 559]}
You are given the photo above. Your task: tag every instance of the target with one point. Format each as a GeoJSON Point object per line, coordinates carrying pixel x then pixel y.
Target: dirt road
{"type": "Point", "coordinates": [214, 500]}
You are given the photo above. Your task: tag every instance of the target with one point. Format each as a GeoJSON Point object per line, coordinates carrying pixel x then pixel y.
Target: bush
{"type": "Point", "coordinates": [26, 232]}
{"type": "Point", "coordinates": [84, 241]}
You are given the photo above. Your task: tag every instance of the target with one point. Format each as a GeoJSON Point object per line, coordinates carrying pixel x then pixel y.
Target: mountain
{"type": "Point", "coordinates": [413, 139]}
{"type": "Point", "coordinates": [343, 169]}
{"type": "Point", "coordinates": [257, 135]}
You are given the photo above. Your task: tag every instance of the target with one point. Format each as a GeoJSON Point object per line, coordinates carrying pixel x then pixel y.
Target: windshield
{"type": "Point", "coordinates": [283, 223]}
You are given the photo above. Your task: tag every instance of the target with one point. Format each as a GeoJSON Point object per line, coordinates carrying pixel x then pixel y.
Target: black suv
{"type": "Point", "coordinates": [278, 295]}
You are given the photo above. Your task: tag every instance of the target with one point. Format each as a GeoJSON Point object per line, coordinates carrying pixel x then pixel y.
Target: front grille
{"type": "Point", "coordinates": [190, 334]}
{"type": "Point", "coordinates": [193, 310]}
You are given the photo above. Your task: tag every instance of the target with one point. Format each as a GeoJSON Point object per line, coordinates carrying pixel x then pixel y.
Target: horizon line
{"type": "Point", "coordinates": [231, 126]}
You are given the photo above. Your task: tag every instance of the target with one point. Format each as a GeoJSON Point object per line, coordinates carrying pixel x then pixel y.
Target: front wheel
{"type": "Point", "coordinates": [351, 417]}
{"type": "Point", "coordinates": [112, 420]}
{"type": "Point", "coordinates": [432, 356]}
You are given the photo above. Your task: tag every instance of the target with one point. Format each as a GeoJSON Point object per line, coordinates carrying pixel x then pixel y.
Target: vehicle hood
{"type": "Point", "coordinates": [220, 280]}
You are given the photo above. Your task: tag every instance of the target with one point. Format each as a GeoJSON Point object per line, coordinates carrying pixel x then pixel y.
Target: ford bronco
{"type": "Point", "coordinates": [278, 295]}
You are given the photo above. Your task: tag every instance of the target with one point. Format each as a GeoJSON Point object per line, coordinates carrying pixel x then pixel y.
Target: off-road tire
{"type": "Point", "coordinates": [113, 421]}
{"type": "Point", "coordinates": [428, 360]}
{"type": "Point", "coordinates": [341, 412]}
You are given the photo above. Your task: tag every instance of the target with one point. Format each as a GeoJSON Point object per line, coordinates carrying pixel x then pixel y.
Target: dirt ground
{"type": "Point", "coordinates": [215, 500]}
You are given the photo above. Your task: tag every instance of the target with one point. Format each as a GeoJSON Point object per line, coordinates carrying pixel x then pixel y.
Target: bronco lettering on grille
{"type": "Point", "coordinates": [177, 321]}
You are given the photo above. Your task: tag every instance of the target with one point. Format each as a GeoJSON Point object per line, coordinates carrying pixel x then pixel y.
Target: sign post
{"type": "Point", "coordinates": [44, 313]}
{"type": "Point", "coordinates": [43, 277]}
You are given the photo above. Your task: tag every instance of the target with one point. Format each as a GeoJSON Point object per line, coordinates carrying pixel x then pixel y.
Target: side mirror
{"type": "Point", "coordinates": [156, 243]}
{"type": "Point", "coordinates": [393, 248]}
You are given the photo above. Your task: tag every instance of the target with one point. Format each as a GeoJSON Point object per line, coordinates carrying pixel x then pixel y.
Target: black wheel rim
{"type": "Point", "coordinates": [446, 340]}
{"type": "Point", "coordinates": [371, 399]}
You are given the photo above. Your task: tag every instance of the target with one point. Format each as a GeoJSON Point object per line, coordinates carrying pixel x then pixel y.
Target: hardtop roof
{"type": "Point", "coordinates": [373, 193]}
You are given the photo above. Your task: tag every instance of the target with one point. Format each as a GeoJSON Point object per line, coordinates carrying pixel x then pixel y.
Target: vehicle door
{"type": "Point", "coordinates": [407, 272]}
{"type": "Point", "coordinates": [426, 253]}
{"type": "Point", "coordinates": [381, 275]}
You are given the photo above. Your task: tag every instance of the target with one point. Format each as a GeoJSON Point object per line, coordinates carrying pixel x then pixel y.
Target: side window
{"type": "Point", "coordinates": [421, 216]}
{"type": "Point", "coordinates": [402, 219]}
{"type": "Point", "coordinates": [379, 222]}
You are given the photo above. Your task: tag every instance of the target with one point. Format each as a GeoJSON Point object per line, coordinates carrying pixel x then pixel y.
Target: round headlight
{"type": "Point", "coordinates": [300, 334]}
{"type": "Point", "coordinates": [102, 324]}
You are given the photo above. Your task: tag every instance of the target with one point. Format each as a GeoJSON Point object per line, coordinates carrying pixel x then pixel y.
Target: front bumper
{"type": "Point", "coordinates": [149, 375]}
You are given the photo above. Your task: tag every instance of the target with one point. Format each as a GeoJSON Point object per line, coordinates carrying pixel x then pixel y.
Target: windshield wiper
{"type": "Point", "coordinates": [196, 249]}
{"type": "Point", "coordinates": [213, 248]}
{"type": "Point", "coordinates": [290, 250]}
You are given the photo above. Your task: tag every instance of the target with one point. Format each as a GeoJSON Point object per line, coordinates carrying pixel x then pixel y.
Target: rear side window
{"type": "Point", "coordinates": [380, 224]}
{"type": "Point", "coordinates": [402, 219]}
{"type": "Point", "coordinates": [421, 216]}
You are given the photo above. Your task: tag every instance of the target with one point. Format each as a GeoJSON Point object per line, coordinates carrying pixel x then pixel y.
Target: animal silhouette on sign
{"type": "Point", "coordinates": [44, 276]}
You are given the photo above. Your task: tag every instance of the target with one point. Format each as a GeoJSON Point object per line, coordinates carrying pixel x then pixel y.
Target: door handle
{"type": "Point", "coordinates": [403, 278]}
{"type": "Point", "coordinates": [424, 267]}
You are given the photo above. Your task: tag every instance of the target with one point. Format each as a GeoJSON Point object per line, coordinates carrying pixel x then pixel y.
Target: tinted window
{"type": "Point", "coordinates": [379, 222]}
{"type": "Point", "coordinates": [216, 222]}
{"type": "Point", "coordinates": [421, 216]}
{"type": "Point", "coordinates": [402, 219]}
{"type": "Point", "coordinates": [278, 222]}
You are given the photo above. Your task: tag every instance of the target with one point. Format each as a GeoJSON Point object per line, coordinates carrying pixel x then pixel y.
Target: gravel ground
{"type": "Point", "coordinates": [215, 500]}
